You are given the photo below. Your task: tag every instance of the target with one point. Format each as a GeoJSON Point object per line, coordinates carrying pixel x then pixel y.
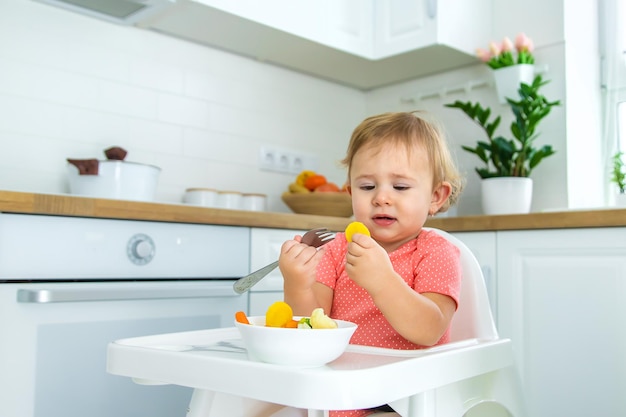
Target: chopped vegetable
{"type": "Point", "coordinates": [278, 314]}
{"type": "Point", "coordinates": [319, 320]}
{"type": "Point", "coordinates": [356, 227]}
{"type": "Point", "coordinates": [291, 324]}
{"type": "Point", "coordinates": [304, 323]}
{"type": "Point", "coordinates": [241, 317]}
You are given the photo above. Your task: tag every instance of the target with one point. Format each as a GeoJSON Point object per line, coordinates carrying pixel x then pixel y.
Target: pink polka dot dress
{"type": "Point", "coordinates": [429, 263]}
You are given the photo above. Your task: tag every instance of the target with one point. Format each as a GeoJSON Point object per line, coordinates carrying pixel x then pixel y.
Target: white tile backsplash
{"type": "Point", "coordinates": [183, 111]}
{"type": "Point", "coordinates": [157, 136]}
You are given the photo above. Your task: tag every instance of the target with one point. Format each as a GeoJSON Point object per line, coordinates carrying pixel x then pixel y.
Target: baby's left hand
{"type": "Point", "coordinates": [367, 262]}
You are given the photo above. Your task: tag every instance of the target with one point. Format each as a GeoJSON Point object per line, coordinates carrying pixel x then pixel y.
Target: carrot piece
{"type": "Point", "coordinates": [292, 324]}
{"type": "Point", "coordinates": [241, 317]}
{"type": "Point", "coordinates": [356, 227]}
{"type": "Point", "coordinates": [278, 314]}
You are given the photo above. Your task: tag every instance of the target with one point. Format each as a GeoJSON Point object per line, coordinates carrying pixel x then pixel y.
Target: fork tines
{"type": "Point", "coordinates": [325, 235]}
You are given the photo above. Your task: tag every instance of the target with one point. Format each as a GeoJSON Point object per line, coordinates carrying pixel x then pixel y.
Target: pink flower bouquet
{"type": "Point", "coordinates": [502, 55]}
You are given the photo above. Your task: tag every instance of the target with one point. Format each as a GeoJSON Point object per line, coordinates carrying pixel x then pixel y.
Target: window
{"type": "Point", "coordinates": [613, 49]}
{"type": "Point", "coordinates": [621, 126]}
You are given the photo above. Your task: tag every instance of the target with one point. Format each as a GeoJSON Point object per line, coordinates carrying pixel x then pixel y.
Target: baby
{"type": "Point", "coordinates": [401, 285]}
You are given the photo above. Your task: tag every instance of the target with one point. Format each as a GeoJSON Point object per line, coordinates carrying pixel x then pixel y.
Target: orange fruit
{"type": "Point", "coordinates": [329, 187]}
{"type": "Point", "coordinates": [314, 181]}
{"type": "Point", "coordinates": [301, 178]}
{"type": "Point", "coordinates": [356, 227]}
{"type": "Point", "coordinates": [278, 314]}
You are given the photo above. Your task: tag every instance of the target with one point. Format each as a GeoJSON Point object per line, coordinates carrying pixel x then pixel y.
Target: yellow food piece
{"type": "Point", "coordinates": [278, 314]}
{"type": "Point", "coordinates": [356, 227]}
{"type": "Point", "coordinates": [301, 178]}
{"type": "Point", "coordinates": [297, 188]}
{"type": "Point", "coordinates": [319, 320]}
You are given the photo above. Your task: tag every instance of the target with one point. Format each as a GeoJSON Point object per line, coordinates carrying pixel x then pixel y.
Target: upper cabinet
{"type": "Point", "coordinates": [359, 43]}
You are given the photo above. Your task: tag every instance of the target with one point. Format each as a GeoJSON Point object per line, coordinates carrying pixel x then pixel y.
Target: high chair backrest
{"type": "Point", "coordinates": [473, 318]}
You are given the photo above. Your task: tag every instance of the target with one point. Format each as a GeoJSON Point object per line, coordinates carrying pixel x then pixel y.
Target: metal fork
{"type": "Point", "coordinates": [315, 238]}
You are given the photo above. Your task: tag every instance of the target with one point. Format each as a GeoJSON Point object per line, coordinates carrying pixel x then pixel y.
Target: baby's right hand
{"type": "Point", "coordinates": [298, 263]}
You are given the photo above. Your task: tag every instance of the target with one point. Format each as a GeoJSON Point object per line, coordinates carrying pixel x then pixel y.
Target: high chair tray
{"type": "Point", "coordinates": [215, 360]}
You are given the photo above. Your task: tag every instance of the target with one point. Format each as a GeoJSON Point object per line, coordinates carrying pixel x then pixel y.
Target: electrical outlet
{"type": "Point", "coordinates": [286, 161]}
{"type": "Point", "coordinates": [297, 164]}
{"type": "Point", "coordinates": [267, 158]}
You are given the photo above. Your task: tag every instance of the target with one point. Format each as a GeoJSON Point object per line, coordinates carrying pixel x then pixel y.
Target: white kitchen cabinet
{"type": "Point", "coordinates": [349, 26]}
{"type": "Point", "coordinates": [402, 25]}
{"type": "Point", "coordinates": [406, 25]}
{"type": "Point", "coordinates": [345, 25]}
{"type": "Point", "coordinates": [359, 43]}
{"type": "Point", "coordinates": [561, 300]}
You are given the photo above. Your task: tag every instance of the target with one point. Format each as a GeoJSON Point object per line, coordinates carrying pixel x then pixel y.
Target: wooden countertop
{"type": "Point", "coordinates": [68, 205]}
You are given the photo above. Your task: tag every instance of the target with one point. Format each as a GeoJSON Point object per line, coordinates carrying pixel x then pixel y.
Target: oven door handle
{"type": "Point", "coordinates": [44, 296]}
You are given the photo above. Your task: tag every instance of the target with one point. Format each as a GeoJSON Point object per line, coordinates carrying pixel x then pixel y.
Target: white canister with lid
{"type": "Point", "coordinates": [254, 202]}
{"type": "Point", "coordinates": [229, 200]}
{"type": "Point", "coordinates": [206, 197]}
{"type": "Point", "coordinates": [116, 179]}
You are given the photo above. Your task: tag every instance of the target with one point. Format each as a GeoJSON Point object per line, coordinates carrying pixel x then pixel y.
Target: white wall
{"type": "Point", "coordinates": [71, 86]}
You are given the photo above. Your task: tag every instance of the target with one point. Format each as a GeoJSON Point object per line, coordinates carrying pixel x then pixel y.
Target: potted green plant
{"type": "Point", "coordinates": [511, 158]}
{"type": "Point", "coordinates": [618, 176]}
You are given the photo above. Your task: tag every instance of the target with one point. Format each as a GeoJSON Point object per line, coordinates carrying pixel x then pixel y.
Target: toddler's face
{"type": "Point", "coordinates": [392, 192]}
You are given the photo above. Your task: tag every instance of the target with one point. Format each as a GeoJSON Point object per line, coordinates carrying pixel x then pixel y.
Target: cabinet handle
{"type": "Point", "coordinates": [431, 6]}
{"type": "Point", "coordinates": [44, 296]}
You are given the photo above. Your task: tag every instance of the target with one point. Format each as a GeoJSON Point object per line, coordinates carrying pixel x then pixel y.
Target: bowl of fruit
{"type": "Point", "coordinates": [312, 193]}
{"type": "Point", "coordinates": [283, 339]}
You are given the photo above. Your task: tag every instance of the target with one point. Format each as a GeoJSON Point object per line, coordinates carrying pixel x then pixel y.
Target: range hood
{"type": "Point", "coordinates": [125, 12]}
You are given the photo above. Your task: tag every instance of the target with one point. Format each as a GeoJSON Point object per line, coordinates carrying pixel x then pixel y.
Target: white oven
{"type": "Point", "coordinates": [69, 286]}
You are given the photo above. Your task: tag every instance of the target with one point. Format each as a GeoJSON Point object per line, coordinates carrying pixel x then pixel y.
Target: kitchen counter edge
{"type": "Point", "coordinates": [68, 205]}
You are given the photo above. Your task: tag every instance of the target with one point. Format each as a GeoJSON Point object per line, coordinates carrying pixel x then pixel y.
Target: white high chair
{"type": "Point", "coordinates": [472, 320]}
{"type": "Point", "coordinates": [444, 381]}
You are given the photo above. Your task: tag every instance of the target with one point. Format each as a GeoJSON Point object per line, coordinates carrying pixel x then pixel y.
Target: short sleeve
{"type": "Point", "coordinates": [437, 266]}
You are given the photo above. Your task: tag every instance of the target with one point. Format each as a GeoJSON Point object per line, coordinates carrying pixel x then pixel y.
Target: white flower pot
{"type": "Point", "coordinates": [620, 200]}
{"type": "Point", "coordinates": [507, 195]}
{"type": "Point", "coordinates": [508, 80]}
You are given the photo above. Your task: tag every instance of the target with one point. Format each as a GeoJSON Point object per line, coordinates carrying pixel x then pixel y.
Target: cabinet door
{"type": "Point", "coordinates": [298, 18]}
{"type": "Point", "coordinates": [561, 299]}
{"type": "Point", "coordinates": [349, 26]}
{"type": "Point", "coordinates": [341, 24]}
{"type": "Point", "coordinates": [403, 25]}
{"type": "Point", "coordinates": [264, 249]}
{"type": "Point", "coordinates": [407, 25]}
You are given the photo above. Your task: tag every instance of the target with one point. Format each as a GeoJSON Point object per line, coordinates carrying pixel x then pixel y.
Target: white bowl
{"type": "Point", "coordinates": [294, 347]}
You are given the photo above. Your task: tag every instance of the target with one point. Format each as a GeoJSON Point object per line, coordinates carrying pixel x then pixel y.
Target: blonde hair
{"type": "Point", "coordinates": [408, 129]}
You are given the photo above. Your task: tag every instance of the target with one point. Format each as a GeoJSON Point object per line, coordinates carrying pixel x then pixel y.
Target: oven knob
{"type": "Point", "coordinates": [140, 249]}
